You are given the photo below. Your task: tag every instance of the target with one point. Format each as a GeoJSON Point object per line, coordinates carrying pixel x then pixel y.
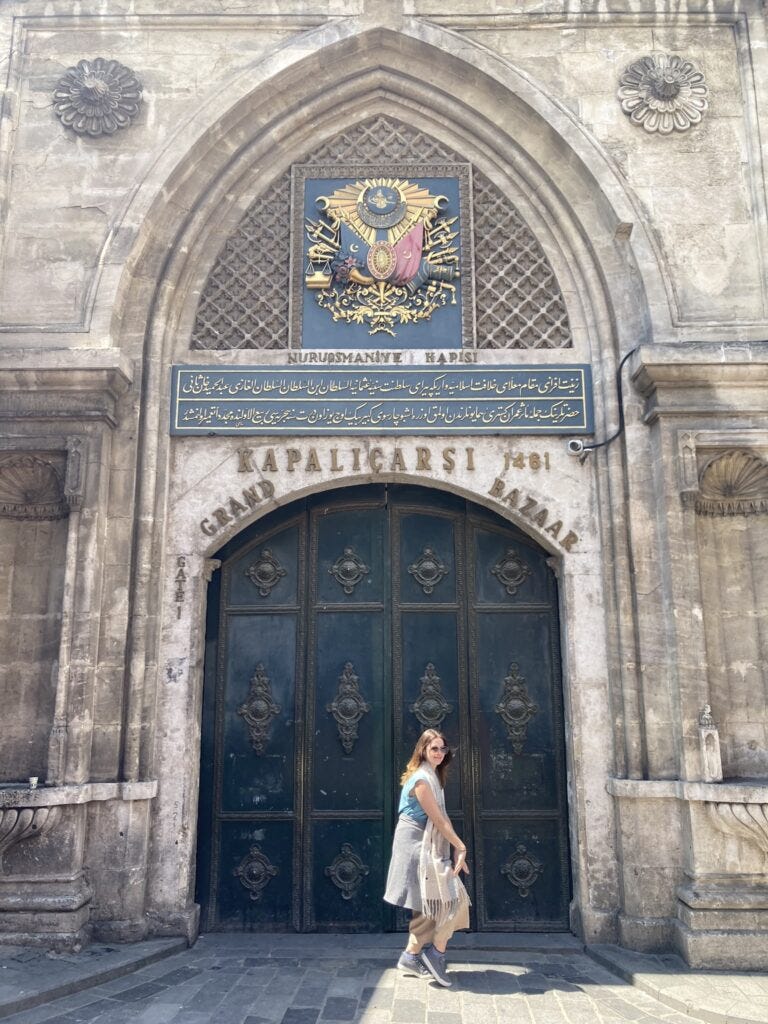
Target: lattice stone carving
{"type": "Point", "coordinates": [347, 871]}
{"type": "Point", "coordinates": [245, 300]}
{"type": "Point", "coordinates": [244, 303]}
{"type": "Point", "coordinates": [518, 300]}
{"type": "Point", "coordinates": [734, 483]}
{"type": "Point", "coordinates": [30, 488]}
{"type": "Point", "coordinates": [384, 139]}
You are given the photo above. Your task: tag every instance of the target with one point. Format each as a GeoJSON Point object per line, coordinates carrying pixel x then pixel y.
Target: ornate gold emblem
{"type": "Point", "coordinates": [381, 254]}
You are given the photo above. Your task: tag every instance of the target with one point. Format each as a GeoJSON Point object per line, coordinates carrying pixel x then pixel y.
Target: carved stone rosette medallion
{"type": "Point", "coordinates": [428, 570]}
{"type": "Point", "coordinates": [348, 570]}
{"type": "Point", "coordinates": [516, 708]}
{"type": "Point", "coordinates": [265, 573]}
{"type": "Point", "coordinates": [259, 709]}
{"type": "Point", "coordinates": [255, 872]}
{"type": "Point", "coordinates": [431, 707]}
{"type": "Point", "coordinates": [663, 93]}
{"type": "Point", "coordinates": [348, 707]}
{"type": "Point", "coordinates": [511, 571]}
{"type": "Point", "coordinates": [347, 871]}
{"type": "Point", "coordinates": [97, 97]}
{"type": "Point", "coordinates": [522, 869]}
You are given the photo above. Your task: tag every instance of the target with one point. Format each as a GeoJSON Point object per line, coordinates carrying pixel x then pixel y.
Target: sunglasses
{"type": "Point", "coordinates": [438, 750]}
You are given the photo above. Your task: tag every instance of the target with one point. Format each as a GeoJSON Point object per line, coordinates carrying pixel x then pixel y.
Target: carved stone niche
{"type": "Point", "coordinates": [733, 483]}
{"type": "Point", "coordinates": [32, 486]}
{"type": "Point", "coordinates": [709, 742]}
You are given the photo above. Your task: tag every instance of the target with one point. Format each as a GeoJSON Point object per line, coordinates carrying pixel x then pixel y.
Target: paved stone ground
{"type": "Point", "coordinates": [244, 979]}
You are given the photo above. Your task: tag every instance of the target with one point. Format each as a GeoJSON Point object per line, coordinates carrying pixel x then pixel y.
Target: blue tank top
{"type": "Point", "coordinates": [409, 805]}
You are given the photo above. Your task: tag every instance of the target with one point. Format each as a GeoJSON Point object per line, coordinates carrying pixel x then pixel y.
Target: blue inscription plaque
{"type": "Point", "coordinates": [278, 400]}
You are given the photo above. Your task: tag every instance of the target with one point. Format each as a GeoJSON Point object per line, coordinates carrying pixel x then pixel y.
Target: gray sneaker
{"type": "Point", "coordinates": [410, 963]}
{"type": "Point", "coordinates": [435, 964]}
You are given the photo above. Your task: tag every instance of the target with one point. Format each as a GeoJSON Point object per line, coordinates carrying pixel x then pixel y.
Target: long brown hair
{"type": "Point", "coordinates": [419, 756]}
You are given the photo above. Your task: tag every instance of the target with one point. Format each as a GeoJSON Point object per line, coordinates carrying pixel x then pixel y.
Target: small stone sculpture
{"type": "Point", "coordinates": [709, 739]}
{"type": "Point", "coordinates": [97, 97]}
{"type": "Point", "coordinates": [663, 93]}
{"type": "Point", "coordinates": [706, 721]}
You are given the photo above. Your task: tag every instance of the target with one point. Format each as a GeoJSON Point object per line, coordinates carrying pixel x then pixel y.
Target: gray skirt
{"type": "Point", "coordinates": [403, 888]}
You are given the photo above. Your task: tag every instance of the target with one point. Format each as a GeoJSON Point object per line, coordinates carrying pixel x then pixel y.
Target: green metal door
{"type": "Point", "coordinates": [338, 629]}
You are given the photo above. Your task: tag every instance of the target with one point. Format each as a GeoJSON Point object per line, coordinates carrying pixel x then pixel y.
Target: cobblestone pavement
{"type": "Point", "coordinates": [227, 979]}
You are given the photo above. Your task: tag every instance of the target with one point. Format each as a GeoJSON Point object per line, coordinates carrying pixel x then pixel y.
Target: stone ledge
{"type": "Point", "coordinates": [726, 893]}
{"type": "Point", "coordinates": [747, 792]}
{"type": "Point", "coordinates": [701, 378]}
{"type": "Point", "coordinates": [18, 794]}
{"type": "Point", "coordinates": [63, 384]}
{"type": "Point", "coordinates": [700, 363]}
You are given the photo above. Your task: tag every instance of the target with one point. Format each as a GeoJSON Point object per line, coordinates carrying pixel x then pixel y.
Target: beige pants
{"type": "Point", "coordinates": [422, 930]}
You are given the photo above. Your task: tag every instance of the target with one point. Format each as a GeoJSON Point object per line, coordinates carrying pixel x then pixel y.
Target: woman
{"type": "Point", "coordinates": [422, 875]}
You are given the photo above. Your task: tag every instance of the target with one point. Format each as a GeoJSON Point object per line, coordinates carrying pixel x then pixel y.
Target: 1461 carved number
{"type": "Point", "coordinates": [533, 460]}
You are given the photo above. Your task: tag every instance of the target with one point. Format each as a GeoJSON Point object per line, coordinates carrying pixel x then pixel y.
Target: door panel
{"type": "Point", "coordinates": [255, 882]}
{"type": "Point", "coordinates": [519, 854]}
{"type": "Point", "coordinates": [335, 636]}
{"type": "Point", "coordinates": [261, 664]}
{"type": "Point", "coordinates": [520, 809]}
{"type": "Point", "coordinates": [348, 666]}
{"type": "Point", "coordinates": [348, 871]}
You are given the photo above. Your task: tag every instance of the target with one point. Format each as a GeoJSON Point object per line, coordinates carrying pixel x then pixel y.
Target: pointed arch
{"type": "Point", "coordinates": [244, 302]}
{"type": "Point", "coordinates": [453, 90]}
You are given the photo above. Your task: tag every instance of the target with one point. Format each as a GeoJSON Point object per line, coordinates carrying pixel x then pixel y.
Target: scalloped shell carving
{"type": "Point", "coordinates": [30, 488]}
{"type": "Point", "coordinates": [734, 483]}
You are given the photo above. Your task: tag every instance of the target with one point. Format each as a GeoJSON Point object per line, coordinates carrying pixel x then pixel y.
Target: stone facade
{"type": "Point", "coordinates": [654, 239]}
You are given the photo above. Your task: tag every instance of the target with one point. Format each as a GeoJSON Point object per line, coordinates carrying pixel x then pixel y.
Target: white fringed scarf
{"type": "Point", "coordinates": [442, 893]}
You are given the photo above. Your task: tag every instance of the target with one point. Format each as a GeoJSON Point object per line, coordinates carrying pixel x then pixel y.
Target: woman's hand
{"type": "Point", "coordinates": [460, 862]}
